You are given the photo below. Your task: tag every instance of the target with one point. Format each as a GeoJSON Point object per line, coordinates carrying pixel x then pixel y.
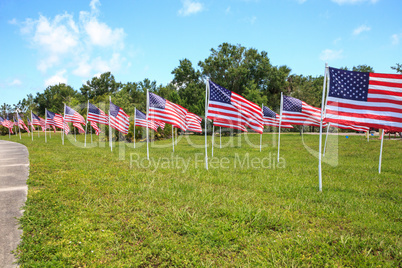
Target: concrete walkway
{"type": "Point", "coordinates": [14, 170]}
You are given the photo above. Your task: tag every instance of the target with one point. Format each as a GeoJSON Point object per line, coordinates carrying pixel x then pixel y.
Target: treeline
{"type": "Point", "coordinates": [245, 71]}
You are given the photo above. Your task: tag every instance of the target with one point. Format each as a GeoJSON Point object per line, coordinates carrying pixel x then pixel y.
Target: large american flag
{"type": "Point", "coordinates": [119, 120]}
{"type": "Point", "coordinates": [39, 121]}
{"type": "Point", "coordinates": [365, 99]}
{"type": "Point", "coordinates": [270, 118]}
{"type": "Point", "coordinates": [225, 124]}
{"type": "Point", "coordinates": [141, 121]}
{"type": "Point", "coordinates": [95, 126]}
{"type": "Point", "coordinates": [21, 123]}
{"type": "Point", "coordinates": [228, 106]}
{"type": "Point", "coordinates": [54, 119]}
{"type": "Point", "coordinates": [193, 122]}
{"type": "Point", "coordinates": [97, 115]}
{"type": "Point", "coordinates": [71, 115]}
{"type": "Point", "coordinates": [297, 112]}
{"type": "Point", "coordinates": [163, 110]}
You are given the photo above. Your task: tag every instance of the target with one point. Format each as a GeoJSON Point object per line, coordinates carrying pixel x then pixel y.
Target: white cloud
{"type": "Point", "coordinates": [360, 29]}
{"type": "Point", "coordinates": [329, 54]}
{"type": "Point", "coordinates": [395, 38]}
{"type": "Point", "coordinates": [59, 77]}
{"type": "Point", "coordinates": [82, 46]}
{"type": "Point", "coordinates": [13, 21]}
{"type": "Point", "coordinates": [250, 20]}
{"type": "Point", "coordinates": [341, 2]}
{"type": "Point", "coordinates": [301, 1]}
{"type": "Point", "coordinates": [15, 82]}
{"type": "Point", "coordinates": [102, 35]}
{"type": "Point", "coordinates": [190, 7]}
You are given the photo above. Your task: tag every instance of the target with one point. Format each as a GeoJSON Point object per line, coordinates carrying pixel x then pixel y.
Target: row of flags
{"type": "Point", "coordinates": [353, 100]}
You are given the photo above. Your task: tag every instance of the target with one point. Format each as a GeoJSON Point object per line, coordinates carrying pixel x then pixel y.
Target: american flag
{"type": "Point", "coordinates": [160, 124]}
{"type": "Point", "coordinates": [97, 115]}
{"type": "Point", "coordinates": [54, 119]}
{"type": "Point", "coordinates": [80, 128]}
{"type": "Point", "coordinates": [36, 120]}
{"type": "Point", "coordinates": [119, 120]}
{"type": "Point", "coordinates": [30, 124]}
{"type": "Point", "coordinates": [66, 128]}
{"type": "Point", "coordinates": [270, 118]}
{"type": "Point", "coordinates": [163, 110]}
{"type": "Point", "coordinates": [365, 99]}
{"type": "Point", "coordinates": [8, 124]}
{"type": "Point", "coordinates": [1, 121]}
{"type": "Point", "coordinates": [141, 121]}
{"type": "Point", "coordinates": [21, 123]}
{"type": "Point", "coordinates": [95, 126]}
{"type": "Point", "coordinates": [297, 112]}
{"type": "Point", "coordinates": [219, 123]}
{"type": "Point", "coordinates": [193, 122]}
{"type": "Point", "coordinates": [357, 128]}
{"type": "Point", "coordinates": [228, 106]}
{"type": "Point", "coordinates": [71, 115]}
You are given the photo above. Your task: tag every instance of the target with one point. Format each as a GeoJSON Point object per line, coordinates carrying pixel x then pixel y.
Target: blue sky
{"type": "Point", "coordinates": [70, 41]}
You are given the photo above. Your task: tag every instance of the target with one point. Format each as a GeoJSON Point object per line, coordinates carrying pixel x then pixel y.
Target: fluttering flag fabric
{"type": "Point", "coordinates": [66, 128]}
{"type": "Point", "coordinates": [160, 124]}
{"type": "Point", "coordinates": [297, 112]}
{"type": "Point", "coordinates": [79, 126]}
{"type": "Point", "coordinates": [95, 126]}
{"type": "Point", "coordinates": [270, 118]}
{"type": "Point", "coordinates": [165, 111]}
{"type": "Point", "coordinates": [22, 124]}
{"type": "Point", "coordinates": [30, 124]}
{"type": "Point", "coordinates": [141, 121]}
{"type": "Point", "coordinates": [8, 124]}
{"type": "Point", "coordinates": [225, 124]}
{"type": "Point", "coordinates": [119, 120]}
{"type": "Point", "coordinates": [1, 121]}
{"type": "Point", "coordinates": [193, 122]}
{"type": "Point", "coordinates": [227, 106]}
{"type": "Point", "coordinates": [38, 121]}
{"type": "Point", "coordinates": [54, 119]}
{"type": "Point", "coordinates": [72, 116]}
{"type": "Point", "coordinates": [365, 99]}
{"type": "Point", "coordinates": [97, 115]}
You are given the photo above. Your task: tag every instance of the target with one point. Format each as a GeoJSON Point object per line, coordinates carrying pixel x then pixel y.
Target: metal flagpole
{"type": "Point", "coordinates": [32, 126]}
{"type": "Point", "coordinates": [382, 142]}
{"type": "Point", "coordinates": [326, 138]}
{"type": "Point", "coordinates": [322, 113]}
{"type": "Point", "coordinates": [91, 135]}
{"type": "Point", "coordinates": [18, 120]}
{"type": "Point", "coordinates": [86, 126]}
{"type": "Point", "coordinates": [213, 140]}
{"type": "Point", "coordinates": [262, 129]}
{"type": "Point", "coordinates": [110, 128]}
{"type": "Point", "coordinates": [135, 110]}
{"type": "Point", "coordinates": [173, 137]}
{"type": "Point", "coordinates": [220, 137]}
{"type": "Point", "coordinates": [280, 123]}
{"type": "Point", "coordinates": [368, 135]}
{"type": "Point", "coordinates": [64, 122]}
{"type": "Point", "coordinates": [45, 124]}
{"type": "Point", "coordinates": [147, 117]}
{"type": "Point", "coordinates": [206, 123]}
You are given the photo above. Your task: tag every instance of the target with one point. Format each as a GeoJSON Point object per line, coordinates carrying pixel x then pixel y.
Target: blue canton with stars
{"type": "Point", "coordinates": [156, 101]}
{"type": "Point", "coordinates": [291, 104]}
{"type": "Point", "coordinates": [114, 110]}
{"type": "Point", "coordinates": [218, 93]}
{"type": "Point", "coordinates": [140, 115]}
{"type": "Point", "coordinates": [348, 85]}
{"type": "Point", "coordinates": [268, 112]}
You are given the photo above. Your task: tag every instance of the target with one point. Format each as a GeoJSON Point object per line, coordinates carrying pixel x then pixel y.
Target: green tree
{"type": "Point", "coordinates": [105, 84]}
{"type": "Point", "coordinates": [54, 97]}
{"type": "Point", "coordinates": [397, 68]}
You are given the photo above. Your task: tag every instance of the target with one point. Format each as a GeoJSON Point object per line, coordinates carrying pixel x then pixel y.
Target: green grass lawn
{"type": "Point", "coordinates": [87, 207]}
